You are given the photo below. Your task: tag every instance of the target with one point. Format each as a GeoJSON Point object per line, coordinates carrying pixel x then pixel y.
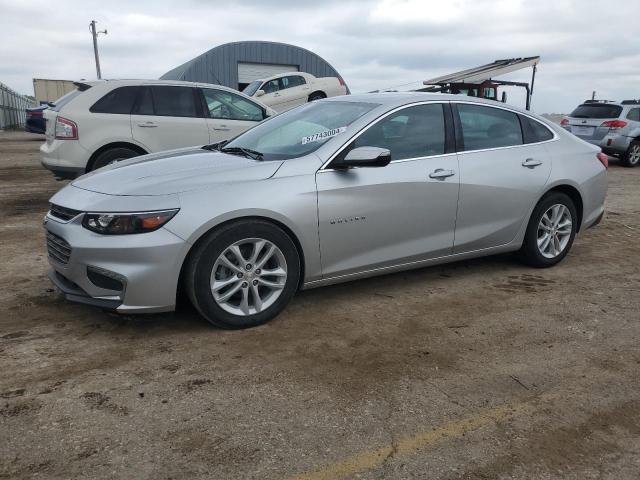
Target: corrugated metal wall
{"type": "Point", "coordinates": [220, 64]}
{"type": "Point", "coordinates": [12, 105]}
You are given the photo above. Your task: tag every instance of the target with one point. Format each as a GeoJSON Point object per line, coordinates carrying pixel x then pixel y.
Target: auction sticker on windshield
{"type": "Point", "coordinates": [323, 135]}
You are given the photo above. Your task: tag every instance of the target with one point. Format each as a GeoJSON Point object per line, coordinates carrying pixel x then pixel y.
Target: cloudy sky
{"type": "Point", "coordinates": [585, 45]}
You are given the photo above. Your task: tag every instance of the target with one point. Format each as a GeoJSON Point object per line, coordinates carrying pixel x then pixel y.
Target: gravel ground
{"type": "Point", "coordinates": [476, 370]}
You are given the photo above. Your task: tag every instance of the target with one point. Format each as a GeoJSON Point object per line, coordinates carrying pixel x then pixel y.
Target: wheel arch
{"type": "Point", "coordinates": [111, 145]}
{"type": "Point", "coordinates": [287, 230]}
{"type": "Point", "coordinates": [574, 194]}
{"type": "Point", "coordinates": [321, 92]}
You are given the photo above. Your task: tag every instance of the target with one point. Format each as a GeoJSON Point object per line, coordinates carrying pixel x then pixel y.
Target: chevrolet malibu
{"type": "Point", "coordinates": [331, 191]}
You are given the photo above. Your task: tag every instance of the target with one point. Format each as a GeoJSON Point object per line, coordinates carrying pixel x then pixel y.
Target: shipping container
{"type": "Point", "coordinates": [47, 90]}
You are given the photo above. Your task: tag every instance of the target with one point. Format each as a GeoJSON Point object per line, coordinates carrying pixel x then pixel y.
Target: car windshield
{"type": "Point", "coordinates": [252, 88]}
{"type": "Point", "coordinates": [300, 131]}
{"type": "Point", "coordinates": [596, 110]}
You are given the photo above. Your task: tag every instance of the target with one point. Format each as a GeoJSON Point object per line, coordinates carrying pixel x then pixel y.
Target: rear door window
{"type": "Point", "coordinates": [292, 81]}
{"type": "Point", "coordinates": [119, 100]}
{"type": "Point", "coordinates": [488, 127]}
{"type": "Point", "coordinates": [174, 101]}
{"type": "Point", "coordinates": [596, 110]}
{"type": "Point", "coordinates": [144, 103]}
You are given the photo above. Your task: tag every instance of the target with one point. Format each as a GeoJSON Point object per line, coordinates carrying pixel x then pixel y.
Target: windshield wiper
{"type": "Point", "coordinates": [216, 146]}
{"type": "Point", "coordinates": [247, 152]}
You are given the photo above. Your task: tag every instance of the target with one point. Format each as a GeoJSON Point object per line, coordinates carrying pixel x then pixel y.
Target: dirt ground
{"type": "Point", "coordinates": [481, 369]}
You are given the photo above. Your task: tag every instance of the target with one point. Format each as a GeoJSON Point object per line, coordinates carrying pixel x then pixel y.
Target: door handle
{"type": "Point", "coordinates": [148, 125]}
{"type": "Point", "coordinates": [276, 94]}
{"type": "Point", "coordinates": [531, 163]}
{"type": "Point", "coordinates": [222, 128]}
{"type": "Point", "coordinates": [441, 174]}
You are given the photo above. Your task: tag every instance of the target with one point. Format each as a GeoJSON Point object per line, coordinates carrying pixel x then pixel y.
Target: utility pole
{"type": "Point", "coordinates": [94, 34]}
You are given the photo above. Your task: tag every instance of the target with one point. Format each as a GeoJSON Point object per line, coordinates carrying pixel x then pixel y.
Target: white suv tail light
{"type": "Point", "coordinates": [66, 129]}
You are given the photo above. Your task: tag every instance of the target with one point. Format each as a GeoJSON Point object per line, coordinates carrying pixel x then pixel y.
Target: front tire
{"type": "Point", "coordinates": [550, 232]}
{"type": "Point", "coordinates": [243, 274]}
{"type": "Point", "coordinates": [631, 157]}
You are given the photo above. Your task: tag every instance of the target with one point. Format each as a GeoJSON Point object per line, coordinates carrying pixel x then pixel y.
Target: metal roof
{"type": "Point", "coordinates": [220, 64]}
{"type": "Point", "coordinates": [485, 72]}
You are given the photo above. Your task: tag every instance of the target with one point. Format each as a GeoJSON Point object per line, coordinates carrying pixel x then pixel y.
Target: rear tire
{"type": "Point", "coordinates": [111, 156]}
{"type": "Point", "coordinates": [316, 96]}
{"type": "Point", "coordinates": [234, 262]}
{"type": "Point", "coordinates": [631, 157]}
{"type": "Point", "coordinates": [548, 239]}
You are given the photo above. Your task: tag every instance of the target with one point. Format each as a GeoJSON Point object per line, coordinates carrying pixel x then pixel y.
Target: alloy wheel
{"type": "Point", "coordinates": [248, 276]}
{"type": "Point", "coordinates": [634, 154]}
{"type": "Point", "coordinates": [554, 230]}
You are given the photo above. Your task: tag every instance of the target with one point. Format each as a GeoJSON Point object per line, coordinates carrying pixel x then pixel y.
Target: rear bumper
{"type": "Point", "coordinates": [597, 220]}
{"type": "Point", "coordinates": [66, 159]}
{"type": "Point", "coordinates": [612, 144]}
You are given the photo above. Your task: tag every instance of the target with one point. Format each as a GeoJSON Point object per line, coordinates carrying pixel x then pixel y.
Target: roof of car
{"type": "Point", "coordinates": [283, 74]}
{"type": "Point", "coordinates": [403, 98]}
{"type": "Point", "coordinates": [129, 81]}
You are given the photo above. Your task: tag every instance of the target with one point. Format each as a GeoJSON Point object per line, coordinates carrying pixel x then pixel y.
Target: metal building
{"type": "Point", "coordinates": [237, 64]}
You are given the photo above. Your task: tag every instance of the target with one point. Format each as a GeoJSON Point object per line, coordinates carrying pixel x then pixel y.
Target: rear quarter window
{"type": "Point", "coordinates": [534, 131]}
{"type": "Point", "coordinates": [118, 101]}
{"type": "Point", "coordinates": [596, 110]}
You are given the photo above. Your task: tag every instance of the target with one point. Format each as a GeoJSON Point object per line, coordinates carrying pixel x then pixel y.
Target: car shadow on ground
{"type": "Point", "coordinates": [187, 318]}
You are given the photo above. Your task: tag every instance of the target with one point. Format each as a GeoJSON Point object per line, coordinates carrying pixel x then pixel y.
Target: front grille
{"type": "Point", "coordinates": [58, 248]}
{"type": "Point", "coordinates": [63, 213]}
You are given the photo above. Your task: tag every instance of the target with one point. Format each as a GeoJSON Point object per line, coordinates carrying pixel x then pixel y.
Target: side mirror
{"type": "Point", "coordinates": [366, 157]}
{"type": "Point", "coordinates": [259, 93]}
{"type": "Point", "coordinates": [504, 97]}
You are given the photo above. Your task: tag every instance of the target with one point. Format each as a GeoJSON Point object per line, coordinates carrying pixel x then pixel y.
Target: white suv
{"type": "Point", "coordinates": [105, 121]}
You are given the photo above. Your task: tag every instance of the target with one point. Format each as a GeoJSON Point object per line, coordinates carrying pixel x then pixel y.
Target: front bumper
{"type": "Point", "coordinates": [146, 266]}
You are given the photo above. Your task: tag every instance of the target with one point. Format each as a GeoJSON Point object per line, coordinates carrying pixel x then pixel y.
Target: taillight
{"type": "Point", "coordinates": [34, 114]}
{"type": "Point", "coordinates": [614, 124]}
{"type": "Point", "coordinates": [66, 129]}
{"type": "Point", "coordinates": [342, 84]}
{"type": "Point", "coordinates": [564, 121]}
{"type": "Point", "coordinates": [604, 159]}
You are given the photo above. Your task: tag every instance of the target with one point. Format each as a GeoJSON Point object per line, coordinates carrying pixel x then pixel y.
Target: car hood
{"type": "Point", "coordinates": [174, 172]}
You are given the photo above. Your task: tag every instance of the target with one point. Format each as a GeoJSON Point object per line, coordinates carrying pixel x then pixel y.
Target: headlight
{"type": "Point", "coordinates": [121, 224]}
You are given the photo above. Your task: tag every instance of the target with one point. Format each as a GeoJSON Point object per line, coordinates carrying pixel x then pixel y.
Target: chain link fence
{"type": "Point", "coordinates": [12, 105]}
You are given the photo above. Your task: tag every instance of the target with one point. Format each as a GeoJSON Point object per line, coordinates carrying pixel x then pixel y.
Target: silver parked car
{"type": "Point", "coordinates": [331, 191]}
{"type": "Point", "coordinates": [613, 126]}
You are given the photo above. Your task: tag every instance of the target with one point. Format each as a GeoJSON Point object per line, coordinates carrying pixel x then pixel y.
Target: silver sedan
{"type": "Point", "coordinates": [331, 191]}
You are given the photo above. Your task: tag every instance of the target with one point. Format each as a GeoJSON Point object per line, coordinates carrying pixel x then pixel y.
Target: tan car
{"type": "Point", "coordinates": [287, 90]}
